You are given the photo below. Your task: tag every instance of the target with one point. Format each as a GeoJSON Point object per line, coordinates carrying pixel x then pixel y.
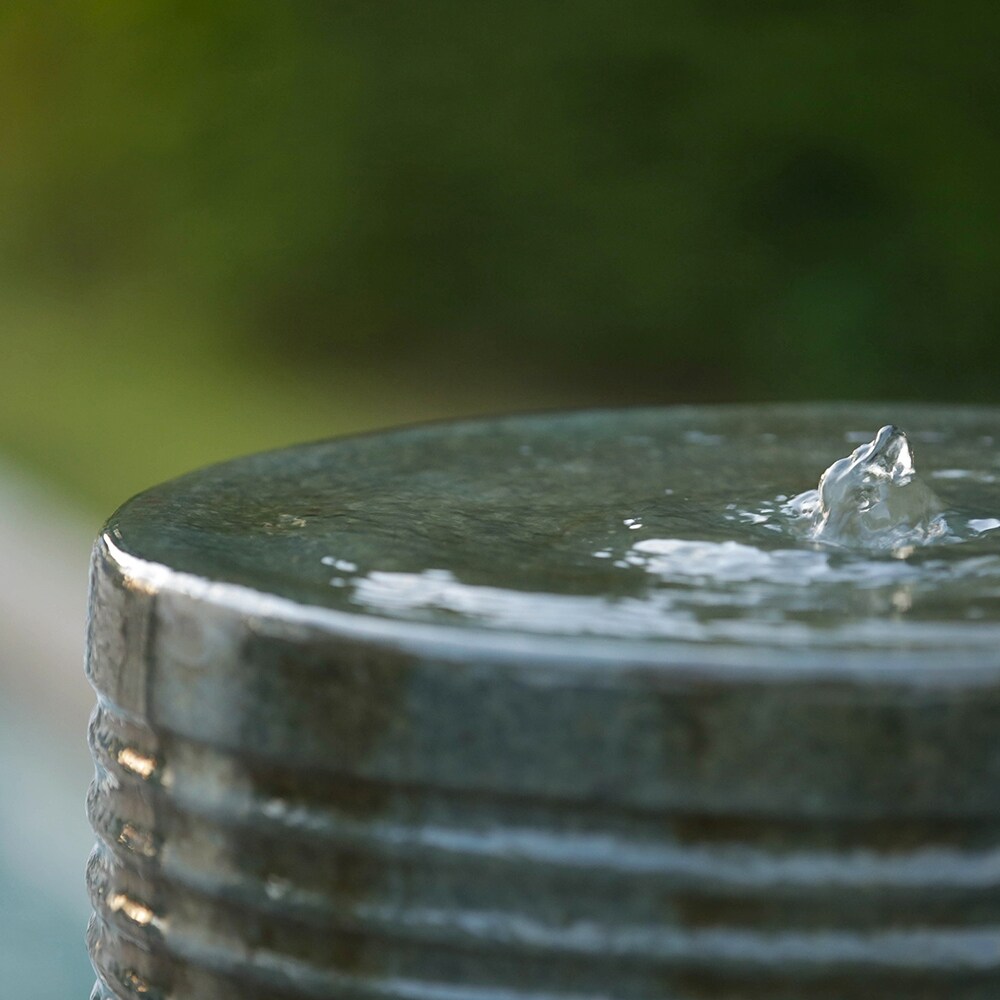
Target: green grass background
{"type": "Point", "coordinates": [226, 226]}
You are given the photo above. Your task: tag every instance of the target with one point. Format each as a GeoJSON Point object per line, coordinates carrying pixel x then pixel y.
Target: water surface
{"type": "Point", "coordinates": [672, 524]}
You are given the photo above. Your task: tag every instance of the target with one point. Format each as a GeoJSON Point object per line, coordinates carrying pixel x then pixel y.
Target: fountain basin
{"type": "Point", "coordinates": [547, 707]}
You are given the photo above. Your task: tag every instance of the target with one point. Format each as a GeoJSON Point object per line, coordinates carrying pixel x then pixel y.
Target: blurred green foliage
{"type": "Point", "coordinates": [632, 202]}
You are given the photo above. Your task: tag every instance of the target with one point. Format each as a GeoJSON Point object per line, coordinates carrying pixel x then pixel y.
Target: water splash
{"type": "Point", "coordinates": [873, 499]}
{"type": "Point", "coordinates": [870, 557]}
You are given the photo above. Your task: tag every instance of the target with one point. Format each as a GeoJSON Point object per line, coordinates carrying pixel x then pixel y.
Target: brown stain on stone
{"type": "Point", "coordinates": [355, 696]}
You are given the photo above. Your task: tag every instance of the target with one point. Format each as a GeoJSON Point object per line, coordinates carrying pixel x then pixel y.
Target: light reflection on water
{"type": "Point", "coordinates": [713, 591]}
{"type": "Point", "coordinates": [860, 559]}
{"type": "Point", "coordinates": [701, 525]}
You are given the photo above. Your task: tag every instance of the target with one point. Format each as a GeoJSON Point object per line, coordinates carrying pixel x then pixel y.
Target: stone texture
{"type": "Point", "coordinates": [301, 797]}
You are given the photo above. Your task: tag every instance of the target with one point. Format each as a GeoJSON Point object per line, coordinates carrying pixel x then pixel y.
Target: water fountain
{"type": "Point", "coordinates": [578, 706]}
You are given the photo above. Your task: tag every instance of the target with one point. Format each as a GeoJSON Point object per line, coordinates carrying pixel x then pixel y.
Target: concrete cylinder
{"type": "Point", "coordinates": [307, 791]}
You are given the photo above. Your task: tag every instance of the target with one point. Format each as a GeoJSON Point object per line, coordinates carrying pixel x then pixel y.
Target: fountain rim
{"type": "Point", "coordinates": [670, 661]}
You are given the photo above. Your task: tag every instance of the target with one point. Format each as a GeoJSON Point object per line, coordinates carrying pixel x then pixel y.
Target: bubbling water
{"type": "Point", "coordinates": [873, 499]}
{"type": "Point", "coordinates": [871, 557]}
{"type": "Point", "coordinates": [645, 527]}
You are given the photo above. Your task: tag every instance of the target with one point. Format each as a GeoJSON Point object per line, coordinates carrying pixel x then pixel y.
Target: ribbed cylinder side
{"type": "Point", "coordinates": [218, 877]}
{"type": "Point", "coordinates": [287, 812]}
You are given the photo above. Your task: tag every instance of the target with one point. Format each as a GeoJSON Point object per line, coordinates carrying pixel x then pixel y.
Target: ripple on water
{"type": "Point", "coordinates": [702, 524]}
{"type": "Point", "coordinates": [865, 558]}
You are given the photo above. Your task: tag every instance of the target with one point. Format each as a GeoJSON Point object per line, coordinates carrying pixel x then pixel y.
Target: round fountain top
{"type": "Point", "coordinates": [647, 533]}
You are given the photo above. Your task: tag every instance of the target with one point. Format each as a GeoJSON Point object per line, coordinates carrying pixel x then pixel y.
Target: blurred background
{"type": "Point", "coordinates": [228, 226]}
